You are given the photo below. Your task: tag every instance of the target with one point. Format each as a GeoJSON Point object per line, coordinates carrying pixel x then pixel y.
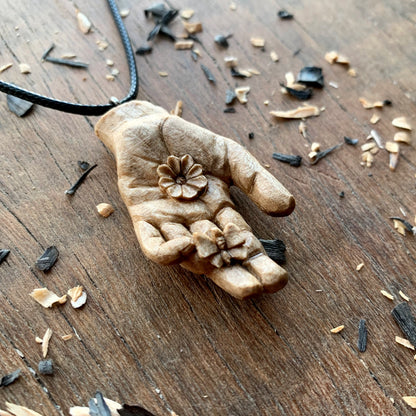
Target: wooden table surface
{"type": "Point", "coordinates": [160, 336]}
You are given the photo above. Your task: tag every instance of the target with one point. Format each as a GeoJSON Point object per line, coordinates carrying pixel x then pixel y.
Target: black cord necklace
{"type": "Point", "coordinates": [85, 109]}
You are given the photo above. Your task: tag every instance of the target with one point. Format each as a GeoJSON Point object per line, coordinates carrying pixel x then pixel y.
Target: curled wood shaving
{"type": "Point", "coordinates": [375, 118]}
{"type": "Point", "coordinates": [194, 27]}
{"type": "Point", "coordinates": [184, 44]}
{"type": "Point", "coordinates": [402, 123]}
{"type": "Point", "coordinates": [24, 68]}
{"type": "Point", "coordinates": [274, 56]}
{"type": "Point", "coordinates": [45, 342]}
{"type": "Point", "coordinates": [410, 400]}
{"type": "Point", "coordinates": [337, 329]}
{"type": "Point", "coordinates": [359, 267]}
{"type": "Point", "coordinates": [187, 13]}
{"type": "Point", "coordinates": [78, 296]}
{"type": "Point", "coordinates": [84, 23]}
{"type": "Point", "coordinates": [258, 42]}
{"type": "Point", "coordinates": [5, 66]}
{"type": "Point", "coordinates": [300, 112]}
{"type": "Point", "coordinates": [241, 93]}
{"type": "Point", "coordinates": [20, 410]}
{"type": "Point", "coordinates": [402, 137]}
{"type": "Point", "coordinates": [387, 294]}
{"type": "Point", "coordinates": [370, 104]}
{"type": "Point", "coordinates": [47, 298]}
{"type": "Point", "coordinates": [406, 343]}
{"type": "Point", "coordinates": [406, 298]}
{"type": "Point", "coordinates": [105, 209]}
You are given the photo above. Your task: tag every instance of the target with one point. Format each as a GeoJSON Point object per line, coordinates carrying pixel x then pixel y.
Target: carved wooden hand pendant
{"type": "Point", "coordinates": [174, 178]}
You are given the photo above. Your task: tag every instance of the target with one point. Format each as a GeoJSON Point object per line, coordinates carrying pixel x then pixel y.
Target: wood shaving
{"type": "Point", "coordinates": [84, 23]}
{"type": "Point", "coordinates": [38, 340]}
{"type": "Point", "coordinates": [115, 72]}
{"type": "Point", "coordinates": [392, 147]}
{"type": "Point", "coordinates": [177, 111]}
{"type": "Point", "coordinates": [402, 137]}
{"type": "Point", "coordinates": [78, 296]}
{"type": "Point", "coordinates": [359, 267]}
{"type": "Point", "coordinates": [377, 138]}
{"type": "Point", "coordinates": [47, 298]}
{"type": "Point", "coordinates": [187, 13]}
{"type": "Point", "coordinates": [110, 77]}
{"type": "Point", "coordinates": [68, 55]}
{"type": "Point", "coordinates": [231, 61]}
{"type": "Point", "coordinates": [333, 84]}
{"type": "Point", "coordinates": [266, 102]}
{"type": "Point", "coordinates": [258, 42]}
{"type": "Point", "coordinates": [274, 56]}
{"type": "Point", "coordinates": [5, 66]}
{"type": "Point", "coordinates": [370, 104]}
{"type": "Point", "coordinates": [66, 337]}
{"type": "Point", "coordinates": [45, 342]}
{"type": "Point", "coordinates": [368, 158]}
{"type": "Point", "coordinates": [245, 72]}
{"type": "Point", "coordinates": [337, 329]}
{"type": "Point", "coordinates": [302, 128]}
{"type": "Point", "coordinates": [163, 74]}
{"type": "Point", "coordinates": [291, 83]}
{"type": "Point", "coordinates": [315, 147]}
{"type": "Point", "coordinates": [334, 57]}
{"type": "Point", "coordinates": [194, 27]}
{"type": "Point", "coordinates": [233, 6]}
{"type": "Point", "coordinates": [253, 71]}
{"type": "Point", "coordinates": [352, 72]}
{"type": "Point", "coordinates": [402, 123]}
{"type": "Point", "coordinates": [197, 51]}
{"type": "Point", "coordinates": [312, 156]}
{"type": "Point", "coordinates": [406, 298]}
{"type": "Point", "coordinates": [241, 93]}
{"type": "Point", "coordinates": [399, 226]}
{"type": "Point", "coordinates": [300, 112]}
{"type": "Point", "coordinates": [410, 400]}
{"type": "Point", "coordinates": [368, 146]}
{"type": "Point", "coordinates": [387, 294]}
{"type": "Point", "coordinates": [109, 62]}
{"type": "Point", "coordinates": [20, 410]}
{"type": "Point", "coordinates": [124, 12]}
{"type": "Point", "coordinates": [375, 118]}
{"type": "Point", "coordinates": [24, 68]}
{"type": "Point", "coordinates": [184, 44]}
{"type": "Point", "coordinates": [406, 343]}
{"type": "Point", "coordinates": [102, 45]}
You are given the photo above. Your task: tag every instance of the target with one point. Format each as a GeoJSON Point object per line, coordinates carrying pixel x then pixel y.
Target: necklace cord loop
{"type": "Point", "coordinates": [85, 109]}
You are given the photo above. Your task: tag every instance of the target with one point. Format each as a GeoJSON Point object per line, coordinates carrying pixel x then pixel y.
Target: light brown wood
{"type": "Point", "coordinates": [161, 336]}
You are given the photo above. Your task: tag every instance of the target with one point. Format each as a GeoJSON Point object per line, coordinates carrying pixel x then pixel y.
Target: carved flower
{"type": "Point", "coordinates": [182, 178]}
{"type": "Point", "coordinates": [221, 247]}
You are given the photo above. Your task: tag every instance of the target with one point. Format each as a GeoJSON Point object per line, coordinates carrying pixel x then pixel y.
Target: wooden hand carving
{"type": "Point", "coordinates": [174, 178]}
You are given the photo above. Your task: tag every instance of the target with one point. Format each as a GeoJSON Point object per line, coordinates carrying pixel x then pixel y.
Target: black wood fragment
{"type": "Point", "coordinates": [47, 259]}
{"type": "Point", "coordinates": [387, 102]}
{"type": "Point", "coordinates": [162, 22]}
{"type": "Point", "coordinates": [229, 110]}
{"type": "Point", "coordinates": [251, 135]}
{"type": "Point", "coordinates": [157, 10]}
{"type": "Point", "coordinates": [193, 37]}
{"type": "Point", "coordinates": [208, 74]}
{"type": "Point", "coordinates": [4, 252]}
{"type": "Point", "coordinates": [143, 50]}
{"type": "Point", "coordinates": [222, 41]}
{"type": "Point", "coordinates": [293, 160]}
{"type": "Point", "coordinates": [409, 227]}
{"type": "Point", "coordinates": [164, 30]}
{"type": "Point", "coordinates": [83, 165]}
{"type": "Point", "coordinates": [275, 249]}
{"type": "Point", "coordinates": [98, 407]}
{"type": "Point", "coordinates": [297, 52]}
{"type": "Point", "coordinates": [311, 76]}
{"type": "Point", "coordinates": [45, 367]}
{"type": "Point", "coordinates": [18, 106]}
{"type": "Point", "coordinates": [341, 194]}
{"type": "Point", "coordinates": [284, 14]}
{"type": "Point", "coordinates": [67, 62]}
{"type": "Point", "coordinates": [324, 153]}
{"type": "Point", "coordinates": [350, 141]}
{"type": "Point", "coordinates": [299, 94]}
{"type": "Point", "coordinates": [133, 411]}
{"type": "Point", "coordinates": [362, 336]}
{"type": "Point", "coordinates": [194, 55]}
{"type": "Point", "coordinates": [237, 74]}
{"type": "Point", "coordinates": [10, 378]}
{"type": "Point", "coordinates": [76, 185]}
{"type": "Point", "coordinates": [230, 96]}
{"type": "Point", "coordinates": [406, 321]}
{"type": "Point", "coordinates": [47, 52]}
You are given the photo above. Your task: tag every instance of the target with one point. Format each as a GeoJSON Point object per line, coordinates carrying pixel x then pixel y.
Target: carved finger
{"type": "Point", "coordinates": [261, 186]}
{"type": "Point", "coordinates": [237, 281]}
{"type": "Point", "coordinates": [157, 248]}
{"type": "Point", "coordinates": [229, 215]}
{"type": "Point", "coordinates": [271, 275]}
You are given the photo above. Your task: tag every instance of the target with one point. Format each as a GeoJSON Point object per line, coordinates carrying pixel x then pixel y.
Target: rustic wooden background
{"type": "Point", "coordinates": [162, 337]}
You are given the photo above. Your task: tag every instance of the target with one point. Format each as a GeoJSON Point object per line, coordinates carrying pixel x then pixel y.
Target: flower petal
{"type": "Point", "coordinates": [217, 260]}
{"type": "Point", "coordinates": [165, 170]}
{"type": "Point", "coordinates": [233, 235]}
{"type": "Point", "coordinates": [200, 182]}
{"type": "Point", "coordinates": [165, 182]}
{"type": "Point", "coordinates": [175, 164]}
{"type": "Point", "coordinates": [175, 191]}
{"type": "Point", "coordinates": [186, 163]}
{"type": "Point", "coordinates": [194, 171]}
{"type": "Point", "coordinates": [189, 192]}
{"type": "Point", "coordinates": [204, 246]}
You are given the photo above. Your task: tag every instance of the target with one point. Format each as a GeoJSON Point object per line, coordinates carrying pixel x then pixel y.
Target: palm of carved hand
{"type": "Point", "coordinates": [189, 218]}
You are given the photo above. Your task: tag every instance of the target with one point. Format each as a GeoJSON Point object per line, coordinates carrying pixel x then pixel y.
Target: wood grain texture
{"type": "Point", "coordinates": [162, 337]}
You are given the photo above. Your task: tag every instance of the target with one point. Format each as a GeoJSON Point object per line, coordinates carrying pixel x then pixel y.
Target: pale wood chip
{"type": "Point", "coordinates": [187, 13]}
{"type": "Point", "coordinates": [109, 62]}
{"type": "Point", "coordinates": [402, 123]}
{"type": "Point", "coordinates": [192, 27]}
{"type": "Point", "coordinates": [5, 66]}
{"type": "Point", "coordinates": [359, 267]}
{"type": "Point", "coordinates": [369, 160]}
{"type": "Point", "coordinates": [253, 71]}
{"type": "Point", "coordinates": [331, 57]}
{"type": "Point", "coordinates": [68, 55]}
{"type": "Point", "coordinates": [312, 156]}
{"type": "Point", "coordinates": [300, 112]}
{"type": "Point", "coordinates": [24, 68]}
{"type": "Point", "coordinates": [393, 161]}
{"type": "Point", "coordinates": [47, 298]}
{"type": "Point", "coordinates": [105, 209]}
{"type": "Point", "coordinates": [333, 84]}
{"type": "Point", "coordinates": [290, 79]}
{"type": "Point", "coordinates": [241, 93]}
{"type": "Point", "coordinates": [368, 146]}
{"type": "Point", "coordinates": [402, 137]}
{"type": "Point", "coordinates": [302, 128]}
{"type": "Point", "coordinates": [79, 411]}
{"type": "Point", "coordinates": [370, 104]}
{"type": "Point", "coordinates": [406, 298]}
{"type": "Point", "coordinates": [245, 72]}
{"type": "Point", "coordinates": [66, 337]}
{"type": "Point", "coordinates": [377, 138]}
{"type": "Point", "coordinates": [266, 102]}
{"type": "Point", "coordinates": [399, 226]}
{"type": "Point", "coordinates": [258, 42]}
{"type": "Point", "coordinates": [78, 296]}
{"type": "Point", "coordinates": [352, 72]}
{"type": "Point", "coordinates": [342, 59]}
{"type": "Point", "coordinates": [387, 294]}
{"type": "Point", "coordinates": [406, 343]}
{"type": "Point", "coordinates": [231, 61]}
{"type": "Point", "coordinates": [163, 73]}
{"type": "Point", "coordinates": [177, 111]}
{"type": "Point", "coordinates": [124, 12]}
{"type": "Point", "coordinates": [39, 340]}
{"type": "Point", "coordinates": [102, 45]}
{"type": "Point", "coordinates": [274, 56]}
{"type": "Point", "coordinates": [392, 147]}
{"type": "Point", "coordinates": [315, 147]}
{"type": "Point", "coordinates": [233, 6]}
{"type": "Point", "coordinates": [197, 51]}
{"type": "Point", "coordinates": [20, 410]}
{"type": "Point", "coordinates": [84, 23]}
{"type": "Point", "coordinates": [115, 72]}
{"type": "Point", "coordinates": [110, 77]}
{"type": "Point", "coordinates": [45, 342]}
{"type": "Point", "coordinates": [410, 400]}
{"type": "Point", "coordinates": [375, 118]}
{"type": "Point", "coordinates": [337, 329]}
